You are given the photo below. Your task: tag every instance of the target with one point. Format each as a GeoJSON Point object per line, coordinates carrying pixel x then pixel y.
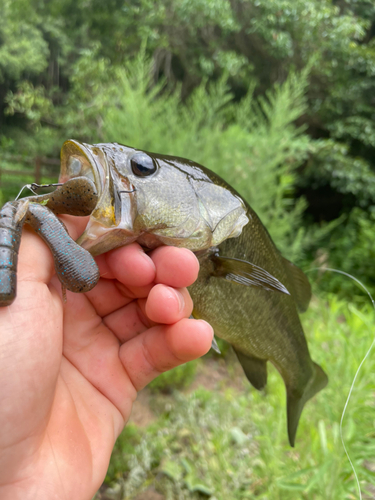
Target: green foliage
{"type": "Point", "coordinates": [23, 48]}
{"type": "Point", "coordinates": [350, 248]}
{"type": "Point", "coordinates": [30, 101]}
{"type": "Point", "coordinates": [178, 378]}
{"type": "Point", "coordinates": [125, 446]}
{"type": "Point", "coordinates": [234, 444]}
{"type": "Point", "coordinates": [331, 164]}
{"type": "Point", "coordinates": [58, 59]}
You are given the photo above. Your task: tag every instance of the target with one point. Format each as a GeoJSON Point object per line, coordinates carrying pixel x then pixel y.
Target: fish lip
{"type": "Point", "coordinates": [98, 239]}
{"type": "Point", "coordinates": [86, 150]}
{"type": "Point", "coordinates": [103, 234]}
{"type": "Point", "coordinates": [111, 223]}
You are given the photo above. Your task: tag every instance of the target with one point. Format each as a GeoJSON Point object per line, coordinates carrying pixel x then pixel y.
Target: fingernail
{"type": "Point", "coordinates": [147, 259]}
{"type": "Point", "coordinates": [180, 298]}
{"type": "Point", "coordinates": [203, 321]}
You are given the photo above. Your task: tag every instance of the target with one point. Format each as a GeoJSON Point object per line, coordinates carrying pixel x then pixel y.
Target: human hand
{"type": "Point", "coordinates": [70, 373]}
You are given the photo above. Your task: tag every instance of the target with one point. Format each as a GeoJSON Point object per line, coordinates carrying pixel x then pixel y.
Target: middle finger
{"type": "Point", "coordinates": [163, 305]}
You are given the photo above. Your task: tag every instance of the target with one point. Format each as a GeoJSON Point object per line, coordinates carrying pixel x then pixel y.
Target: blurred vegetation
{"type": "Point", "coordinates": [275, 95]}
{"type": "Point", "coordinates": [233, 443]}
{"type": "Point", "coordinates": [178, 378]}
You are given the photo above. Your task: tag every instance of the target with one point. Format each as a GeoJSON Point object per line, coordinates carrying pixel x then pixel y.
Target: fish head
{"type": "Point", "coordinates": [153, 199]}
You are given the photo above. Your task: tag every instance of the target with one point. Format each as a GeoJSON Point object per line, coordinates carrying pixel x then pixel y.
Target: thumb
{"type": "Point", "coordinates": [35, 262]}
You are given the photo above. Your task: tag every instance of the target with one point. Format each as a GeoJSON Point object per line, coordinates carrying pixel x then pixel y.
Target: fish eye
{"type": "Point", "coordinates": [142, 165]}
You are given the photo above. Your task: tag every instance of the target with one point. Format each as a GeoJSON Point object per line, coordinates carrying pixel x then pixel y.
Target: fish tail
{"type": "Point", "coordinates": [296, 400]}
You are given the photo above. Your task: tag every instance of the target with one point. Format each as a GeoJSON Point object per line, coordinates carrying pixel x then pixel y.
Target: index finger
{"type": "Point", "coordinates": [176, 267]}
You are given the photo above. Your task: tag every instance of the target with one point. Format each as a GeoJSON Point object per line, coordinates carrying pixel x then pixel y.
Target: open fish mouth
{"type": "Point", "coordinates": [154, 199]}
{"type": "Point", "coordinates": [111, 223]}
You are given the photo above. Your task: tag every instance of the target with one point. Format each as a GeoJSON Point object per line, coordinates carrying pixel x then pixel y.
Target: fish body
{"type": "Point", "coordinates": [262, 325]}
{"type": "Point", "coordinates": [245, 289]}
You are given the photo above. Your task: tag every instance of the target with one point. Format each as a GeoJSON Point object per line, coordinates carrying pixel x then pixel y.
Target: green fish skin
{"type": "Point", "coordinates": [262, 325]}
{"type": "Point", "coordinates": [246, 289]}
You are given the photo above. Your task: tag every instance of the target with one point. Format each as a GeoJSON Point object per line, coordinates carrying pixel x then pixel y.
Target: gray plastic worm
{"type": "Point", "coordinates": [12, 217]}
{"type": "Point", "coordinates": [75, 267]}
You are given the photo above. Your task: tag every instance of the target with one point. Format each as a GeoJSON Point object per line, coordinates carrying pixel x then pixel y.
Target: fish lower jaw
{"type": "Point", "coordinates": [149, 241]}
{"type": "Point", "coordinates": [98, 239]}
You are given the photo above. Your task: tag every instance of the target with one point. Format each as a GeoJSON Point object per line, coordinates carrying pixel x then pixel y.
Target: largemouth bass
{"type": "Point", "coordinates": [246, 289]}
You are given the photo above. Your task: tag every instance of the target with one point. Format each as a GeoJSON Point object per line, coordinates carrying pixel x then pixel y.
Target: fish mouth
{"type": "Point", "coordinates": [111, 223]}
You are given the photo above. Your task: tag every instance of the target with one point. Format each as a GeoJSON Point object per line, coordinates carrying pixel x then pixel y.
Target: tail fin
{"type": "Point", "coordinates": [296, 402]}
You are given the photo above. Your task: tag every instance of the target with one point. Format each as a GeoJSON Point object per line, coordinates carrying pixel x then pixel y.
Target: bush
{"type": "Point", "coordinates": [350, 248]}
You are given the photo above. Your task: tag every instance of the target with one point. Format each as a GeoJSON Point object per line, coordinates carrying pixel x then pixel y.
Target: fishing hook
{"type": "Point", "coordinates": [125, 191]}
{"type": "Point", "coordinates": [34, 186]}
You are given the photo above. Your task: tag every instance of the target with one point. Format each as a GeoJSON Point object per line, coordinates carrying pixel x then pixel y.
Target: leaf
{"type": "Point", "coordinates": [194, 486]}
{"type": "Point", "coordinates": [291, 486]}
{"type": "Point", "coordinates": [238, 436]}
{"type": "Point", "coordinates": [172, 469]}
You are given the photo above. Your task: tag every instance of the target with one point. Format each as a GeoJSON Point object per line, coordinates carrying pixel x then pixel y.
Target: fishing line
{"type": "Point", "coordinates": [358, 369]}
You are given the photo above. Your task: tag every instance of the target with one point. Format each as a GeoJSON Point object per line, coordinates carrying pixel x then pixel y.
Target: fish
{"type": "Point", "coordinates": [247, 291]}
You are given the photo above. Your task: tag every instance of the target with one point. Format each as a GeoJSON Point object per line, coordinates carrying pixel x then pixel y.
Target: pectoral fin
{"type": "Point", "coordinates": [245, 273]}
{"type": "Point", "coordinates": [255, 369]}
{"type": "Point", "coordinates": [214, 346]}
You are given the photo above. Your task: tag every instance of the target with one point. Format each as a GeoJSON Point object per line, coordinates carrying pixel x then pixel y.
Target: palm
{"type": "Point", "coordinates": [69, 375]}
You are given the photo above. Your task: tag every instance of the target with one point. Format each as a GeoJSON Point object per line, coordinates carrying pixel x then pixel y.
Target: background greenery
{"type": "Point", "coordinates": [278, 97]}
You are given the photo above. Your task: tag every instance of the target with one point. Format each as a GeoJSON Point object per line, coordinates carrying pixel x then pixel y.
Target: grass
{"type": "Point", "coordinates": [232, 443]}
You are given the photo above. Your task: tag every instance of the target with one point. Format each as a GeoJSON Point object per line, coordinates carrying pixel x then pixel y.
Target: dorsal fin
{"type": "Point", "coordinates": [300, 285]}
